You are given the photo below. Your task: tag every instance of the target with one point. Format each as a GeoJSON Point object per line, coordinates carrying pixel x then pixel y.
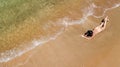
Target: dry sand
{"type": "Point", "coordinates": [71, 50]}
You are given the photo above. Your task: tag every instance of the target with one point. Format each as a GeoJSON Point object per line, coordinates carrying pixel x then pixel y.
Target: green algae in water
{"type": "Point", "coordinates": [14, 12]}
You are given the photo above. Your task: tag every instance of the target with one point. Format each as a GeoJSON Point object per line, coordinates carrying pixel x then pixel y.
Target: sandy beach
{"type": "Point", "coordinates": [69, 49]}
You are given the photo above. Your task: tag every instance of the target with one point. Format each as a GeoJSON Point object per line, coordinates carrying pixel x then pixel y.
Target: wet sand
{"type": "Point", "coordinates": [71, 50]}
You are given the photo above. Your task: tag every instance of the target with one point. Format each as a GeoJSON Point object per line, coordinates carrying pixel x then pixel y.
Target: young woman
{"type": "Point", "coordinates": [91, 33]}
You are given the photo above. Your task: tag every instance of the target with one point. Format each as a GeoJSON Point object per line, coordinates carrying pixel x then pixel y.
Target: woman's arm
{"type": "Point", "coordinates": [87, 37]}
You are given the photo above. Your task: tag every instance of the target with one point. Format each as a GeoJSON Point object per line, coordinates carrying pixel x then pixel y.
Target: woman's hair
{"type": "Point", "coordinates": [89, 33]}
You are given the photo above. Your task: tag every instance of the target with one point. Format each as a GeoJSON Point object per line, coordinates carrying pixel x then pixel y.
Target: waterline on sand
{"type": "Point", "coordinates": [87, 12]}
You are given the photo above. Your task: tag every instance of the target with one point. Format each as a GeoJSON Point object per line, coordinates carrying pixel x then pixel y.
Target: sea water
{"type": "Point", "coordinates": [91, 9]}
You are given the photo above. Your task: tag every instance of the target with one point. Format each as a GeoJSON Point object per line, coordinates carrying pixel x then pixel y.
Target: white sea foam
{"type": "Point", "coordinates": [11, 54]}
{"type": "Point", "coordinates": [107, 9]}
{"type": "Point", "coordinates": [88, 11]}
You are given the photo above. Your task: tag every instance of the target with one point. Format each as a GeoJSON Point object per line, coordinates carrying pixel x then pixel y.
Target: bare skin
{"type": "Point", "coordinates": [98, 29]}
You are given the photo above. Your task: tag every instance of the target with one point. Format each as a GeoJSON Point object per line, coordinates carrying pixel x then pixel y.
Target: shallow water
{"type": "Point", "coordinates": [44, 24]}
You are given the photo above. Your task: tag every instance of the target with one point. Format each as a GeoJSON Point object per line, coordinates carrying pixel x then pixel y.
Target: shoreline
{"type": "Point", "coordinates": [61, 39]}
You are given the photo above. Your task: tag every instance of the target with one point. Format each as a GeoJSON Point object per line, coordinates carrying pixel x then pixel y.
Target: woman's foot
{"type": "Point", "coordinates": [106, 19]}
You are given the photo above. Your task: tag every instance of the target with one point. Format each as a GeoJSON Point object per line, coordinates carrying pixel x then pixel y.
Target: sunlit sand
{"type": "Point", "coordinates": [50, 35]}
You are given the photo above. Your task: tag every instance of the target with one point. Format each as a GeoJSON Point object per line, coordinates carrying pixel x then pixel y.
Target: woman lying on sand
{"type": "Point", "coordinates": [91, 33]}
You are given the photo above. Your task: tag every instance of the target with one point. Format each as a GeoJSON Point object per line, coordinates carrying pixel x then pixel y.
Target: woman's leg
{"type": "Point", "coordinates": [103, 24]}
